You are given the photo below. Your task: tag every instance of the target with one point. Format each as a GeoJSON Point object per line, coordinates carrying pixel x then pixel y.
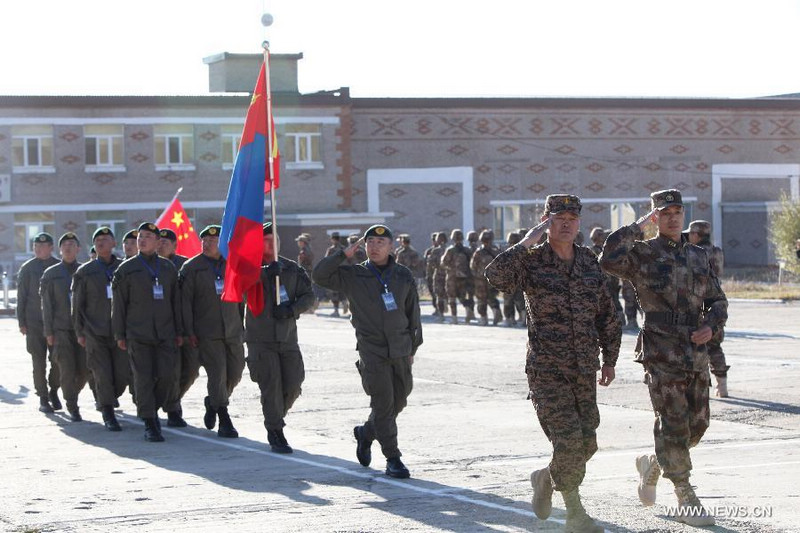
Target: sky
{"type": "Point", "coordinates": [410, 48]}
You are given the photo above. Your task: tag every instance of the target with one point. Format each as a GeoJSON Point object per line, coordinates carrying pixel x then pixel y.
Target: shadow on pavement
{"type": "Point", "coordinates": [761, 404]}
{"type": "Point", "coordinates": [14, 398]}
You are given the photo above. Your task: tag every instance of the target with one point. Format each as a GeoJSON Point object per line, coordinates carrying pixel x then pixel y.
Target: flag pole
{"type": "Point", "coordinates": [270, 160]}
{"type": "Point", "coordinates": [164, 212]}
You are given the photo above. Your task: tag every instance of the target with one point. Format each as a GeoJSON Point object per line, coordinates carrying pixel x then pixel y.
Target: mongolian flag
{"type": "Point", "coordinates": [175, 218]}
{"type": "Point", "coordinates": [241, 241]}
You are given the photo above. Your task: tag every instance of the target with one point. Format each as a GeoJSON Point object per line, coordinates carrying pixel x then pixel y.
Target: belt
{"type": "Point", "coordinates": [670, 318]}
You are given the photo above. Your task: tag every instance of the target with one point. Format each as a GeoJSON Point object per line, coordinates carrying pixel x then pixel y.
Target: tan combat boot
{"type": "Point", "coordinates": [577, 519]}
{"type": "Point", "coordinates": [483, 321]}
{"type": "Point", "coordinates": [649, 471]}
{"type": "Point", "coordinates": [542, 501]}
{"type": "Point", "coordinates": [690, 511]}
{"type": "Point", "coordinates": [721, 390]}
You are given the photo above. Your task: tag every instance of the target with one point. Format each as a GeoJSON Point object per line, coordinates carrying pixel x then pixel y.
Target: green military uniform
{"type": "Point", "coordinates": [217, 327]}
{"type": "Point", "coordinates": [385, 338]}
{"type": "Point", "coordinates": [146, 314]}
{"type": "Point", "coordinates": [273, 353]}
{"type": "Point", "coordinates": [56, 293]}
{"type": "Point", "coordinates": [29, 317]}
{"type": "Point", "coordinates": [91, 315]}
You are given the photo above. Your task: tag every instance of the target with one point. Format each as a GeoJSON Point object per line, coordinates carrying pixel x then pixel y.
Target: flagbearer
{"type": "Point", "coordinates": [55, 290]}
{"type": "Point", "coordinates": [145, 318]}
{"type": "Point", "coordinates": [214, 328]}
{"type": "Point", "coordinates": [187, 366]}
{"type": "Point", "coordinates": [273, 354]}
{"type": "Point", "coordinates": [385, 309]}
{"type": "Point", "coordinates": [91, 315]}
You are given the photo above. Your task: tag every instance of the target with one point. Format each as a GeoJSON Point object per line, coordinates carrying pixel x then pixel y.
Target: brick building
{"type": "Point", "coordinates": [77, 162]}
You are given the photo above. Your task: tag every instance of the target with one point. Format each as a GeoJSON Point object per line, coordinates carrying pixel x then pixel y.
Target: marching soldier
{"type": "Point", "coordinates": [700, 235]}
{"type": "Point", "coordinates": [386, 318]}
{"type": "Point", "coordinates": [146, 321]}
{"type": "Point", "coordinates": [572, 319]}
{"type": "Point", "coordinates": [273, 353]}
{"type": "Point", "coordinates": [29, 318]}
{"type": "Point", "coordinates": [513, 302]}
{"type": "Point", "coordinates": [407, 256]}
{"type": "Point", "coordinates": [429, 270]}
{"type": "Point", "coordinates": [458, 276]}
{"type": "Point", "coordinates": [129, 243]}
{"type": "Point", "coordinates": [485, 293]}
{"type": "Point", "coordinates": [56, 292]}
{"type": "Point", "coordinates": [598, 237]}
{"type": "Point", "coordinates": [305, 258]}
{"type": "Point", "coordinates": [91, 315]}
{"type": "Point", "coordinates": [214, 328]}
{"type": "Point", "coordinates": [684, 307]}
{"type": "Point", "coordinates": [334, 296]}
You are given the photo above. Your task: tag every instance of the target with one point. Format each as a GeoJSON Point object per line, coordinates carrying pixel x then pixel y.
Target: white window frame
{"type": "Point", "coordinates": [180, 165]}
{"type": "Point", "coordinates": [107, 166]}
{"type": "Point", "coordinates": [297, 138]}
{"type": "Point", "coordinates": [236, 142]}
{"type": "Point", "coordinates": [28, 168]}
{"type": "Point", "coordinates": [29, 235]}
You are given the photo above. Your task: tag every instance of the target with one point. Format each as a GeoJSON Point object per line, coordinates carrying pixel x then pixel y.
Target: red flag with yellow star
{"type": "Point", "coordinates": [175, 218]}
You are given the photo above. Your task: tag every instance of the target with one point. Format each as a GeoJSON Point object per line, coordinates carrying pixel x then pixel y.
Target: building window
{"type": "Point", "coordinates": [104, 147]}
{"type": "Point", "coordinates": [32, 148]}
{"type": "Point", "coordinates": [174, 147]}
{"type": "Point", "coordinates": [231, 139]}
{"type": "Point", "coordinates": [506, 219]}
{"type": "Point", "coordinates": [27, 226]}
{"type": "Point", "coordinates": [302, 147]}
{"type": "Point", "coordinates": [112, 219]}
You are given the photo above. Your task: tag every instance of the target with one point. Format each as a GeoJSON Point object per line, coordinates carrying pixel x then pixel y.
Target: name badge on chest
{"type": "Point", "coordinates": [158, 291]}
{"type": "Point", "coordinates": [108, 291]}
{"type": "Point", "coordinates": [219, 284]}
{"type": "Point", "coordinates": [388, 301]}
{"type": "Point", "coordinates": [284, 295]}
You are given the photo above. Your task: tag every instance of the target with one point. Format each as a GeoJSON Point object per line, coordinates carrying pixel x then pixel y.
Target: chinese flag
{"type": "Point", "coordinates": [174, 217]}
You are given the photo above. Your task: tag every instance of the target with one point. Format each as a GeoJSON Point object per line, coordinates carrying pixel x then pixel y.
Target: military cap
{"type": "Point", "coordinates": [703, 227]}
{"type": "Point", "coordinates": [472, 236]}
{"type": "Point", "coordinates": [405, 237]}
{"type": "Point", "coordinates": [596, 233]}
{"type": "Point", "coordinates": [102, 230]}
{"type": "Point", "coordinates": [441, 236]}
{"type": "Point", "coordinates": [69, 236]}
{"type": "Point", "coordinates": [558, 203]}
{"type": "Point", "coordinates": [303, 237]}
{"type": "Point", "coordinates": [378, 230]}
{"type": "Point", "coordinates": [486, 235]}
{"type": "Point", "coordinates": [457, 235]}
{"type": "Point", "coordinates": [43, 237]}
{"type": "Point", "coordinates": [167, 233]}
{"type": "Point", "coordinates": [267, 228]}
{"type": "Point", "coordinates": [92, 250]}
{"type": "Point", "coordinates": [212, 230]}
{"type": "Point", "coordinates": [149, 226]}
{"type": "Point", "coordinates": [353, 237]}
{"type": "Point", "coordinates": [132, 234]}
{"type": "Point", "coordinates": [434, 234]}
{"type": "Point", "coordinates": [335, 235]}
{"type": "Point", "coordinates": [661, 199]}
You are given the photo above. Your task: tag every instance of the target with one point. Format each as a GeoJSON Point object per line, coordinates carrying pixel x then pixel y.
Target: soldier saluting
{"type": "Point", "coordinates": [684, 307]}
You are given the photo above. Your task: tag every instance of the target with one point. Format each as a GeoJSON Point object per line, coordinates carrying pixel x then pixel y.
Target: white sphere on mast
{"type": "Point", "coordinates": [267, 20]}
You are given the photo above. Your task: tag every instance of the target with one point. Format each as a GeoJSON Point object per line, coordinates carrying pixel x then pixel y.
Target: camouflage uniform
{"type": "Point", "coordinates": [513, 302]}
{"type": "Point", "coordinates": [335, 296]}
{"type": "Point", "coordinates": [613, 285]}
{"type": "Point", "coordinates": [485, 293]}
{"type": "Point", "coordinates": [409, 258]}
{"type": "Point", "coordinates": [439, 289]}
{"type": "Point", "coordinates": [455, 262]}
{"type": "Point", "coordinates": [679, 293]}
{"type": "Point", "coordinates": [571, 318]}
{"type": "Point", "coordinates": [428, 266]}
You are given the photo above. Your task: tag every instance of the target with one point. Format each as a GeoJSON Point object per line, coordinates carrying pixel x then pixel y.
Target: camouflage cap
{"type": "Point", "coordinates": [102, 230]}
{"type": "Point", "coordinates": [472, 236]}
{"type": "Point", "coordinates": [69, 236]}
{"type": "Point", "coordinates": [303, 238]}
{"type": "Point", "coordinates": [703, 227]}
{"type": "Point", "coordinates": [433, 235]}
{"type": "Point", "coordinates": [132, 234]}
{"type": "Point", "coordinates": [457, 235]}
{"type": "Point", "coordinates": [43, 237]}
{"type": "Point", "coordinates": [335, 235]}
{"type": "Point", "coordinates": [596, 233]}
{"type": "Point", "coordinates": [486, 235]}
{"type": "Point", "coordinates": [149, 226]}
{"type": "Point", "coordinates": [661, 199]}
{"type": "Point", "coordinates": [212, 230]}
{"type": "Point", "coordinates": [405, 237]}
{"type": "Point", "coordinates": [441, 236]}
{"type": "Point", "coordinates": [378, 230]}
{"type": "Point", "coordinates": [353, 237]}
{"type": "Point", "coordinates": [167, 233]}
{"type": "Point", "coordinates": [557, 203]}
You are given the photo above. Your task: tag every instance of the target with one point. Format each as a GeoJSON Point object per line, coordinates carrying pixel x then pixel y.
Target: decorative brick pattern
{"type": "Point", "coordinates": [446, 191]}
{"type": "Point", "coordinates": [537, 168]}
{"type": "Point", "coordinates": [139, 157]}
{"type": "Point", "coordinates": [396, 192]}
{"type": "Point", "coordinates": [139, 136]}
{"type": "Point", "coordinates": [171, 177]}
{"type": "Point", "coordinates": [482, 188]}
{"type": "Point", "coordinates": [209, 157]}
{"type": "Point", "coordinates": [208, 136]}
{"type": "Point", "coordinates": [70, 159]}
{"type": "Point", "coordinates": [388, 151]}
{"type": "Point", "coordinates": [457, 149]}
{"type": "Point", "coordinates": [103, 179]}
{"type": "Point", "coordinates": [536, 187]}
{"type": "Point", "coordinates": [69, 136]}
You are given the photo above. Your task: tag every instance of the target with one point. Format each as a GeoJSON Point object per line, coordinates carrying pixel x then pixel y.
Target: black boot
{"type": "Point", "coordinates": [278, 442]}
{"type": "Point", "coordinates": [396, 468]}
{"type": "Point", "coordinates": [54, 401]}
{"type": "Point", "coordinates": [210, 418]}
{"type": "Point", "coordinates": [44, 406]}
{"type": "Point", "coordinates": [110, 419]}
{"type": "Point", "coordinates": [226, 429]}
{"type": "Point", "coordinates": [152, 431]}
{"type": "Point", "coordinates": [74, 412]}
{"type": "Point", "coordinates": [363, 446]}
{"type": "Point", "coordinates": [175, 420]}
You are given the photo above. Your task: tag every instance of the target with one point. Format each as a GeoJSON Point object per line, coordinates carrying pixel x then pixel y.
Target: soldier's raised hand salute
{"type": "Point", "coordinates": [351, 250]}
{"type": "Point", "coordinates": [535, 233]}
{"type": "Point", "coordinates": [649, 218]}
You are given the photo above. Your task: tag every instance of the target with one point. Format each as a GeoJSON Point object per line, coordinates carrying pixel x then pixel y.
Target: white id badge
{"type": "Point", "coordinates": [388, 301]}
{"type": "Point", "coordinates": [284, 295]}
{"type": "Point", "coordinates": [219, 284]}
{"type": "Point", "coordinates": [108, 291]}
{"type": "Point", "coordinates": [158, 292]}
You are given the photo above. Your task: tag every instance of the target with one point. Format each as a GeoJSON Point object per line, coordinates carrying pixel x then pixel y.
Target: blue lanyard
{"type": "Point", "coordinates": [380, 276]}
{"type": "Point", "coordinates": [216, 266]}
{"type": "Point", "coordinates": [153, 273]}
{"type": "Point", "coordinates": [109, 269]}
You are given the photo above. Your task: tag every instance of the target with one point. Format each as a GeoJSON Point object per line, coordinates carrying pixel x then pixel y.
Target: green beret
{"type": "Point", "coordinates": [132, 234]}
{"type": "Point", "coordinates": [43, 237]}
{"type": "Point", "coordinates": [212, 230]}
{"type": "Point", "coordinates": [661, 199]}
{"type": "Point", "coordinates": [92, 250]}
{"type": "Point", "coordinates": [556, 203]}
{"type": "Point", "coordinates": [378, 230]}
{"type": "Point", "coordinates": [103, 230]}
{"type": "Point", "coordinates": [149, 226]}
{"type": "Point", "coordinates": [69, 236]}
{"type": "Point", "coordinates": [168, 234]}
{"type": "Point", "coordinates": [267, 228]}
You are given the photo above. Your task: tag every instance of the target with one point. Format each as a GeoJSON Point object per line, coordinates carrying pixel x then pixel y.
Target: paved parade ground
{"type": "Point", "coordinates": [469, 437]}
